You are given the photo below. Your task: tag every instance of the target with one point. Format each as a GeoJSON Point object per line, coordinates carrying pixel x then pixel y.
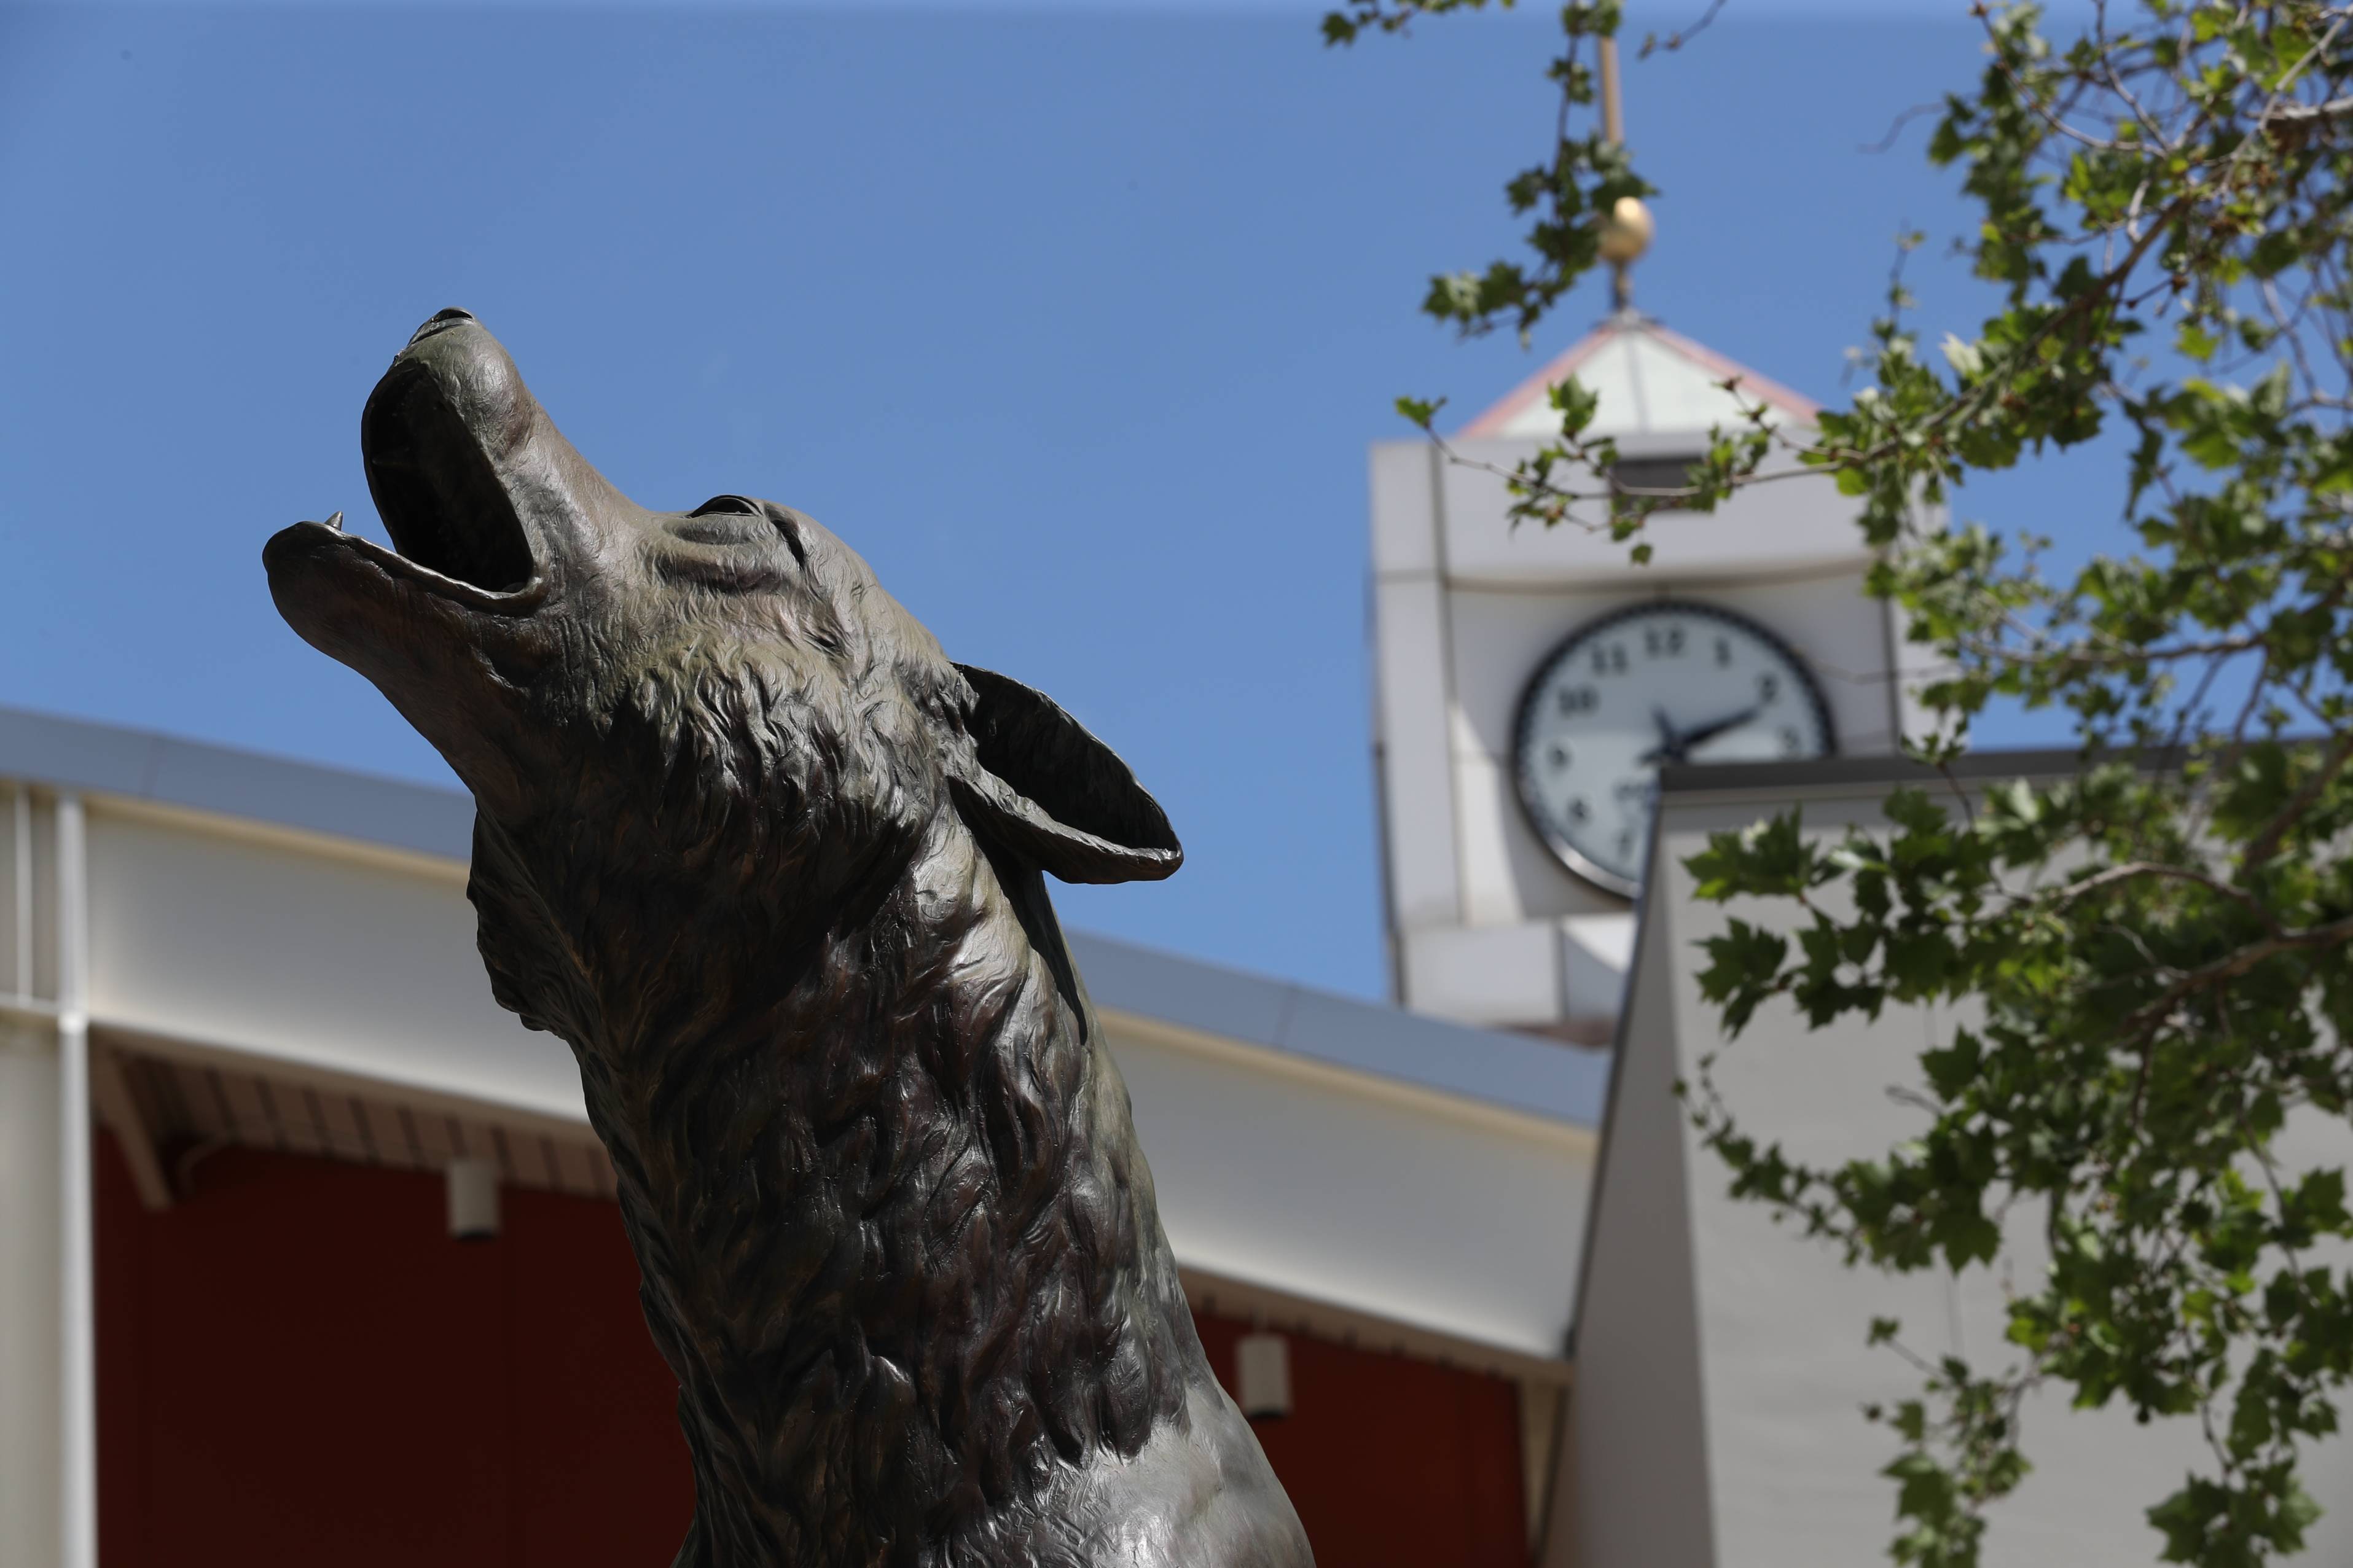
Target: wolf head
{"type": "Point", "coordinates": [721, 701]}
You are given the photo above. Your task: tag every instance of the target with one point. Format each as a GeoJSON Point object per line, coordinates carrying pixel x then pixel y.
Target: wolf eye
{"type": "Point", "coordinates": [789, 526]}
{"type": "Point", "coordinates": [742, 505]}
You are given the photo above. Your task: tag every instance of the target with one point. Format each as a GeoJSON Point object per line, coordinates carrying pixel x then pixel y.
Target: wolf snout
{"type": "Point", "coordinates": [442, 321]}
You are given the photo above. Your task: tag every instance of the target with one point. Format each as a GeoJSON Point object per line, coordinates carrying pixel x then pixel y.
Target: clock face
{"type": "Point", "coordinates": [1659, 682]}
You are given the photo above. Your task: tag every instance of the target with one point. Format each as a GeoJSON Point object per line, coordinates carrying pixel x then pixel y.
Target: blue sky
{"type": "Point", "coordinates": [1075, 321]}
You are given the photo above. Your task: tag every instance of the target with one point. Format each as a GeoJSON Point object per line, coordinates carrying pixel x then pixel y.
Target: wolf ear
{"type": "Point", "coordinates": [1037, 781]}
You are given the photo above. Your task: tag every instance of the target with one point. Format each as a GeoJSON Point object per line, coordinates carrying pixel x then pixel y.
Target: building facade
{"type": "Point", "coordinates": [1722, 1360]}
{"type": "Point", "coordinates": [247, 1036]}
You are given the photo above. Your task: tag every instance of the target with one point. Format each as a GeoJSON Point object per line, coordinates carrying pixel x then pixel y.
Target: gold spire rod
{"type": "Point", "coordinates": [1626, 232]}
{"type": "Point", "coordinates": [1613, 107]}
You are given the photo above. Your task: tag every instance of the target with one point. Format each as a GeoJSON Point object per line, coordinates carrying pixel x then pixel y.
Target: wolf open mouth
{"type": "Point", "coordinates": [441, 500]}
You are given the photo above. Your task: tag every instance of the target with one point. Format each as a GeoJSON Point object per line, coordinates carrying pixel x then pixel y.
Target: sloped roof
{"type": "Point", "coordinates": [1651, 380]}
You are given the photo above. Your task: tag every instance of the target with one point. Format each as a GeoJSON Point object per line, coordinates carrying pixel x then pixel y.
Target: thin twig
{"type": "Point", "coordinates": [1681, 35]}
{"type": "Point", "coordinates": [1895, 128]}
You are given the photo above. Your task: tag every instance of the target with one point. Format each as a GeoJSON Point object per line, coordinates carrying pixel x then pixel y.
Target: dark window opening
{"type": "Point", "coordinates": [1641, 474]}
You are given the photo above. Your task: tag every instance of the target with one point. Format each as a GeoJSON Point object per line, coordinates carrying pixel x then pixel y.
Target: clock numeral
{"type": "Point", "coordinates": [1579, 811]}
{"type": "Point", "coordinates": [1768, 687]}
{"type": "Point", "coordinates": [1557, 755]}
{"type": "Point", "coordinates": [1609, 659]}
{"type": "Point", "coordinates": [1662, 642]}
{"type": "Point", "coordinates": [1791, 742]}
{"type": "Point", "coordinates": [1723, 652]}
{"type": "Point", "coordinates": [1571, 699]}
{"type": "Point", "coordinates": [1626, 842]}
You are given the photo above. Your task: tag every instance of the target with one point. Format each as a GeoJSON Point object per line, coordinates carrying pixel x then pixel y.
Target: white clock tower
{"type": "Point", "coordinates": [1528, 681]}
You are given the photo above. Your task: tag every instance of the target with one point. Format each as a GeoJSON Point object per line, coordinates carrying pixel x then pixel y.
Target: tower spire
{"type": "Point", "coordinates": [1626, 232]}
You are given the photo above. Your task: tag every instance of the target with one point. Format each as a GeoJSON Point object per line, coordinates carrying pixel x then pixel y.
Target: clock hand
{"type": "Point", "coordinates": [1670, 744]}
{"type": "Point", "coordinates": [1692, 737]}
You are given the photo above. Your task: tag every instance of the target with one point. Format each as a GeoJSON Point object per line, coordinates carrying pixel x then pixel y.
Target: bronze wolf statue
{"type": "Point", "coordinates": [774, 867]}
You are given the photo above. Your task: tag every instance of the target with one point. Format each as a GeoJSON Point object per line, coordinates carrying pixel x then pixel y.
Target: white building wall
{"type": "Point", "coordinates": [1333, 1187]}
{"type": "Point", "coordinates": [1412, 701]}
{"type": "Point", "coordinates": [351, 961]}
{"type": "Point", "coordinates": [1790, 1473]}
{"type": "Point", "coordinates": [1632, 1481]}
{"type": "Point", "coordinates": [1795, 523]}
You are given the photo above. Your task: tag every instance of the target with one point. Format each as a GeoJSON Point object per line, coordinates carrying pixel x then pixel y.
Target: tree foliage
{"type": "Point", "coordinates": [2150, 953]}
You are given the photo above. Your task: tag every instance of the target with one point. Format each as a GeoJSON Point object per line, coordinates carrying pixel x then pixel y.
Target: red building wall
{"type": "Point", "coordinates": [297, 1365]}
{"type": "Point", "coordinates": [1391, 1461]}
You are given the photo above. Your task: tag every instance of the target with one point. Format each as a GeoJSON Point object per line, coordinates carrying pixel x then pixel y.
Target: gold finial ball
{"type": "Point", "coordinates": [1627, 232]}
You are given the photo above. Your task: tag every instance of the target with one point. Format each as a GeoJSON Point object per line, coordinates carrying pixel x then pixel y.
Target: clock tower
{"type": "Point", "coordinates": [1528, 681]}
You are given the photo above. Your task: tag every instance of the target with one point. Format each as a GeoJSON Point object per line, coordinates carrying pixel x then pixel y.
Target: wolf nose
{"type": "Point", "coordinates": [440, 319]}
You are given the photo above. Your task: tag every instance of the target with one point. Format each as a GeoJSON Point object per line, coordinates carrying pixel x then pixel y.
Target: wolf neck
{"type": "Point", "coordinates": [897, 1240]}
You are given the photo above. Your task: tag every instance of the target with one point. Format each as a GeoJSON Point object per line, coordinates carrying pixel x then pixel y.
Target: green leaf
{"type": "Point", "coordinates": [1422, 412]}
{"type": "Point", "coordinates": [1952, 1069]}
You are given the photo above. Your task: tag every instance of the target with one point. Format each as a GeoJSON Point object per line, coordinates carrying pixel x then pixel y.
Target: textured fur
{"type": "Point", "coordinates": [773, 866]}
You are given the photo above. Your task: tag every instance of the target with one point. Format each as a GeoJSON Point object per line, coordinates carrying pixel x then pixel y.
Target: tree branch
{"type": "Point", "coordinates": [2135, 870]}
{"type": "Point", "coordinates": [2233, 965]}
{"type": "Point", "coordinates": [2259, 847]}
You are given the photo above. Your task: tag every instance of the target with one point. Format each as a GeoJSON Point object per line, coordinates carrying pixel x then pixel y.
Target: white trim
{"type": "Point", "coordinates": [77, 1322]}
{"type": "Point", "coordinates": [1331, 1078]}
{"type": "Point", "coordinates": [21, 799]}
{"type": "Point", "coordinates": [280, 836]}
{"type": "Point", "coordinates": [1697, 576]}
{"type": "Point", "coordinates": [141, 1037]}
{"type": "Point", "coordinates": [1226, 1296]}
